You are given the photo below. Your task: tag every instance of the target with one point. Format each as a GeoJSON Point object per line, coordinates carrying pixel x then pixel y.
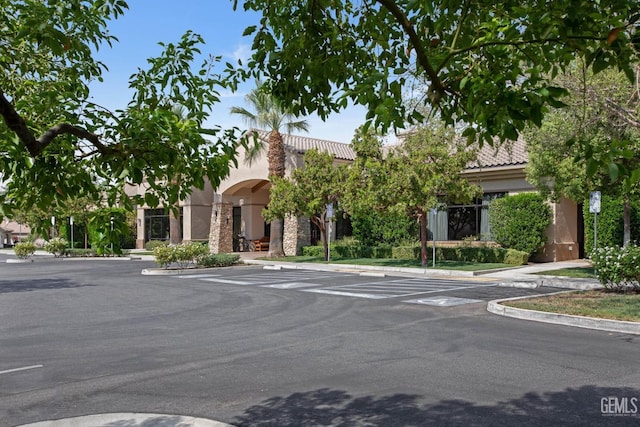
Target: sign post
{"type": "Point", "coordinates": [594, 208]}
{"type": "Point", "coordinates": [329, 216]}
{"type": "Point", "coordinates": [71, 224]}
{"type": "Point", "coordinates": [434, 211]}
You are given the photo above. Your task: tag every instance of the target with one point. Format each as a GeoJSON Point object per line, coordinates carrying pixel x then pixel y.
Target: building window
{"type": "Point", "coordinates": [463, 221]}
{"type": "Point", "coordinates": [156, 224]}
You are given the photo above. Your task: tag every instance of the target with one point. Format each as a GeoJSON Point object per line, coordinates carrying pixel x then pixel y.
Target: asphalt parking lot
{"type": "Point", "coordinates": [435, 291]}
{"type": "Point", "coordinates": [250, 346]}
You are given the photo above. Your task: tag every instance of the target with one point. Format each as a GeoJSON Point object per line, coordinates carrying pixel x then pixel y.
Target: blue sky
{"type": "Point", "coordinates": [148, 22]}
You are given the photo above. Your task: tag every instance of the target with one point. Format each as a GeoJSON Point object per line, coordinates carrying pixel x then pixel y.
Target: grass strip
{"type": "Point", "coordinates": [389, 262]}
{"type": "Point", "coordinates": [594, 303]}
{"type": "Point", "coordinates": [575, 272]}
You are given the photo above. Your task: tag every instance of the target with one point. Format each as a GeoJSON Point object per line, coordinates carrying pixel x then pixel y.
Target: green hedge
{"type": "Point", "coordinates": [460, 253]}
{"type": "Point", "coordinates": [610, 223]}
{"type": "Point", "coordinates": [218, 260]}
{"type": "Point", "coordinates": [520, 221]}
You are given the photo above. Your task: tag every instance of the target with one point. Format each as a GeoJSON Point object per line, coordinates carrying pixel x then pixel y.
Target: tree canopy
{"type": "Point", "coordinates": [56, 142]}
{"type": "Point", "coordinates": [486, 64]}
{"type": "Point", "coordinates": [308, 191]}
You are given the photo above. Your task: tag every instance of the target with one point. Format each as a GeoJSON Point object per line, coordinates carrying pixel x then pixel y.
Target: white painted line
{"type": "Point", "coordinates": [443, 301]}
{"type": "Point", "coordinates": [290, 285]}
{"type": "Point", "coordinates": [347, 294]}
{"type": "Point", "coordinates": [228, 282]}
{"type": "Point", "coordinates": [25, 368]}
{"type": "Point", "coordinates": [197, 276]}
{"type": "Point", "coordinates": [372, 274]}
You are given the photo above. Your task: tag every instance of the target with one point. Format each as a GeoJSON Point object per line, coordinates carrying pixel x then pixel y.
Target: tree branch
{"type": "Point", "coordinates": [402, 19]}
{"type": "Point", "coordinates": [17, 124]}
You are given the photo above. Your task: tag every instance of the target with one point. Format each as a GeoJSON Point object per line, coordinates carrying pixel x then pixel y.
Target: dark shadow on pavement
{"type": "Point", "coordinates": [8, 286]}
{"type": "Point", "coordinates": [326, 407]}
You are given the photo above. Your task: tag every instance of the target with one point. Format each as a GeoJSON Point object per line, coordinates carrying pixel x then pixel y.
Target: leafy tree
{"type": "Point", "coordinates": [307, 192]}
{"type": "Point", "coordinates": [487, 64]}
{"type": "Point", "coordinates": [270, 113]}
{"type": "Point", "coordinates": [424, 171]}
{"type": "Point", "coordinates": [604, 153]}
{"type": "Point", "coordinates": [374, 219]}
{"type": "Point", "coordinates": [81, 209]}
{"type": "Point", "coordinates": [55, 141]}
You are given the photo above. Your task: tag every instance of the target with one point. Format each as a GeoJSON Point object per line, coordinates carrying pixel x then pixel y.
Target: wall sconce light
{"type": "Point", "coordinates": [215, 213]}
{"type": "Point", "coordinates": [227, 219]}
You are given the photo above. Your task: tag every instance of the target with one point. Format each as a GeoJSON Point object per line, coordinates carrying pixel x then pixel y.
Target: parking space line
{"type": "Point", "coordinates": [347, 294]}
{"type": "Point", "coordinates": [24, 368]}
{"type": "Point", "coordinates": [290, 285]}
{"type": "Point", "coordinates": [227, 281]}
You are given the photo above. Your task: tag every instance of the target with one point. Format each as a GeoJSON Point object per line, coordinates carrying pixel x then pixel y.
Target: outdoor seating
{"type": "Point", "coordinates": [261, 244]}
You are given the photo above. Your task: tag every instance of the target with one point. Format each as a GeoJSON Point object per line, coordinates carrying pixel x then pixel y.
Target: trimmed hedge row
{"type": "Point", "coordinates": [460, 253]}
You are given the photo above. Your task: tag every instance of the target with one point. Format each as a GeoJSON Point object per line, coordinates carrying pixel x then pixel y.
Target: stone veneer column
{"type": "Point", "coordinates": [297, 233]}
{"type": "Point", "coordinates": [221, 240]}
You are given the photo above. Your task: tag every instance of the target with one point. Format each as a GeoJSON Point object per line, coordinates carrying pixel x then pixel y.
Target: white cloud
{"type": "Point", "coordinates": [242, 53]}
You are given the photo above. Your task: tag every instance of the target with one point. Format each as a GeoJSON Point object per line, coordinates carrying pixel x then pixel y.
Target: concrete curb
{"type": "Point", "coordinates": [620, 326]}
{"type": "Point", "coordinates": [569, 282]}
{"type": "Point", "coordinates": [176, 271]}
{"type": "Point", "coordinates": [362, 268]}
{"type": "Point", "coordinates": [130, 419]}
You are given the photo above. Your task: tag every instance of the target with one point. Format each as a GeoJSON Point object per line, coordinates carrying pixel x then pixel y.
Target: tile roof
{"type": "Point", "coordinates": [509, 153]}
{"type": "Point", "coordinates": [302, 144]}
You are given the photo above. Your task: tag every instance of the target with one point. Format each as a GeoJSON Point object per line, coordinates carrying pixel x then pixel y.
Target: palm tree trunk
{"type": "Point", "coordinates": [276, 158]}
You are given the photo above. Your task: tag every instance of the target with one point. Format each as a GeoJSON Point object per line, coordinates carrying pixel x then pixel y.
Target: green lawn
{"type": "Point", "coordinates": [388, 262]}
{"type": "Point", "coordinates": [596, 303]}
{"type": "Point", "coordinates": [575, 272]}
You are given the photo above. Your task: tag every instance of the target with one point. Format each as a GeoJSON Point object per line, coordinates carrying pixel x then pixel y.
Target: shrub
{"type": "Point", "coordinates": [152, 244]}
{"type": "Point", "coordinates": [78, 252]}
{"type": "Point", "coordinates": [184, 254]}
{"type": "Point", "coordinates": [24, 250]}
{"type": "Point", "coordinates": [610, 223]}
{"type": "Point", "coordinates": [218, 260]}
{"type": "Point", "coordinates": [56, 246]}
{"type": "Point", "coordinates": [520, 221]}
{"type": "Point", "coordinates": [165, 255]}
{"type": "Point", "coordinates": [617, 268]}
{"type": "Point", "coordinates": [313, 251]}
{"type": "Point", "coordinates": [392, 226]}
{"type": "Point", "coordinates": [187, 254]}
{"type": "Point", "coordinates": [482, 254]}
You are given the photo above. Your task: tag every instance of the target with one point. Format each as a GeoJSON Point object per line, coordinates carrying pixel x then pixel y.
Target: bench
{"type": "Point", "coordinates": [261, 244]}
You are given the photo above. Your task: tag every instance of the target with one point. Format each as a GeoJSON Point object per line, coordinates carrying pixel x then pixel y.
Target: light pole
{"type": "Point", "coordinates": [111, 236]}
{"type": "Point", "coordinates": [53, 226]}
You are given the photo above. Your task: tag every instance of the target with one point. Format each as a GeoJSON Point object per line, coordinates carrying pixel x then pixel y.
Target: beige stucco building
{"type": "Point", "coordinates": [232, 212]}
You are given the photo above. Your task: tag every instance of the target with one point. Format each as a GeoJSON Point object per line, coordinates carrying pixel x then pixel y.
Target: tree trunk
{"type": "Point", "coordinates": [175, 231]}
{"type": "Point", "coordinates": [423, 239]}
{"type": "Point", "coordinates": [276, 158]}
{"type": "Point", "coordinates": [627, 221]}
{"type": "Point", "coordinates": [275, 239]}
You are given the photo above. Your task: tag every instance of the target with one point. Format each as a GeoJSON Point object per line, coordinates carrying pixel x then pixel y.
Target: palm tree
{"type": "Point", "coordinates": [269, 114]}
